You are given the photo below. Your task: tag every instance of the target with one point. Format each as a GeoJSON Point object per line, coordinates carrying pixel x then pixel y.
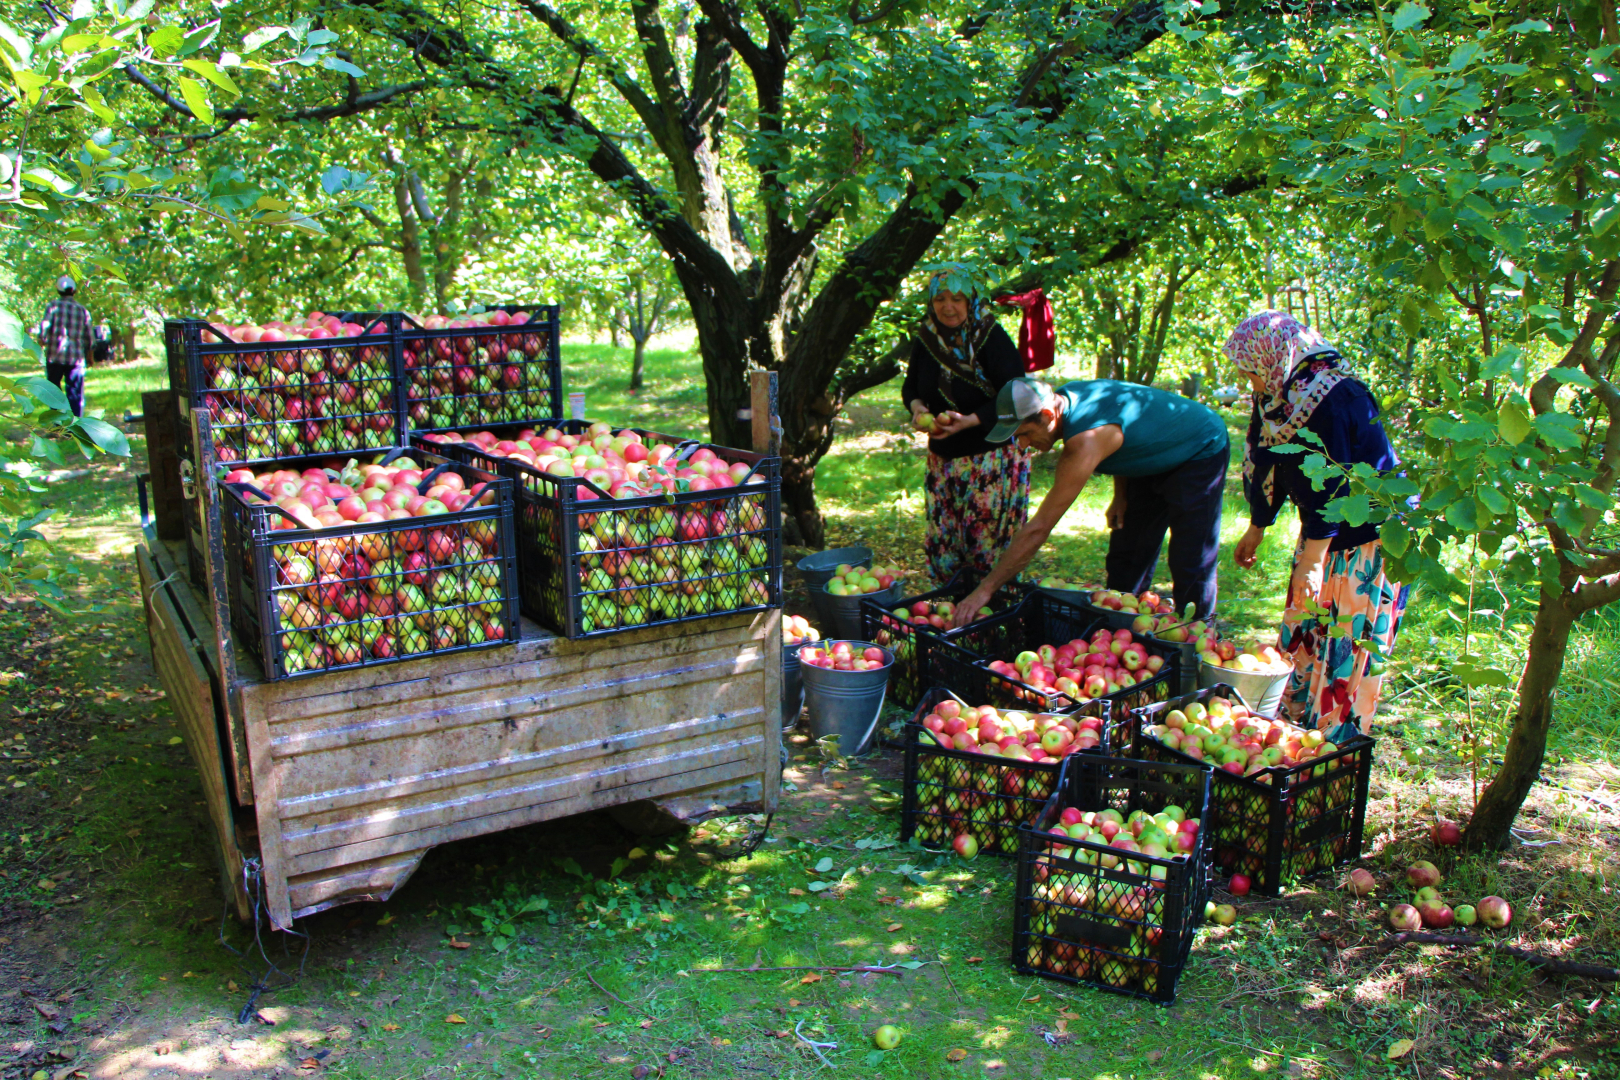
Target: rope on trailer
{"type": "Point", "coordinates": [754, 840]}
{"type": "Point", "coordinates": [273, 977]}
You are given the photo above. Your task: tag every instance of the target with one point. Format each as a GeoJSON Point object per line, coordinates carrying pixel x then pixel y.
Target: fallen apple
{"type": "Point", "coordinates": [1360, 882]}
{"type": "Point", "coordinates": [1422, 873]}
{"type": "Point", "coordinates": [886, 1037]}
{"type": "Point", "coordinates": [1494, 912]}
{"type": "Point", "coordinates": [1405, 917]}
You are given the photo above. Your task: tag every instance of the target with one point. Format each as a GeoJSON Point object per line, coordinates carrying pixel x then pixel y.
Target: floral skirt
{"type": "Point", "coordinates": [1336, 676]}
{"type": "Point", "coordinates": [976, 505]}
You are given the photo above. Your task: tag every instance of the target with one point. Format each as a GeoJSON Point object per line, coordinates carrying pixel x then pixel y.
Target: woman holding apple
{"type": "Point", "coordinates": [977, 492]}
{"type": "Point", "coordinates": [1301, 386]}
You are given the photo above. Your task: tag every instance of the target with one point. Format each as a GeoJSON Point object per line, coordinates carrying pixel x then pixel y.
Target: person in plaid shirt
{"type": "Point", "coordinates": [65, 333]}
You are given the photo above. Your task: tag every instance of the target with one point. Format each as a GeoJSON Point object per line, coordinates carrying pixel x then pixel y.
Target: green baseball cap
{"type": "Point", "coordinates": [1019, 400]}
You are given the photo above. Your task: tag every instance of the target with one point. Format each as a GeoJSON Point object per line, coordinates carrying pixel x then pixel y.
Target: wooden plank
{"type": "Point", "coordinates": [442, 709]}
{"type": "Point", "coordinates": [317, 808]}
{"type": "Point", "coordinates": [766, 425]}
{"type": "Point", "coordinates": [191, 614]}
{"type": "Point", "coordinates": [267, 782]}
{"type": "Point", "coordinates": [404, 828]}
{"type": "Point", "coordinates": [217, 601]}
{"type": "Point", "coordinates": [769, 627]}
{"type": "Point", "coordinates": [191, 695]}
{"type": "Point", "coordinates": [160, 420]}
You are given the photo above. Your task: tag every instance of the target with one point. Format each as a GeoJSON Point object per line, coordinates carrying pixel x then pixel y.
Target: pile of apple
{"type": "Point", "coordinates": [934, 614]}
{"type": "Point", "coordinates": [1125, 918]}
{"type": "Point", "coordinates": [1428, 910]}
{"type": "Point", "coordinates": [1232, 738]}
{"type": "Point", "coordinates": [850, 580]}
{"type": "Point", "coordinates": [979, 804]}
{"type": "Point", "coordinates": [1082, 670]}
{"type": "Point", "coordinates": [841, 656]}
{"type": "Point", "coordinates": [1146, 602]}
{"type": "Point", "coordinates": [334, 396]}
{"type": "Point", "coordinates": [797, 629]}
{"type": "Point", "coordinates": [499, 373]}
{"type": "Point", "coordinates": [646, 564]}
{"type": "Point", "coordinates": [387, 590]}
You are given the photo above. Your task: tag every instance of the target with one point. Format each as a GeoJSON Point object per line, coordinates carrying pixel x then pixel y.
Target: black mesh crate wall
{"type": "Point", "coordinates": [355, 595]}
{"type": "Point", "coordinates": [909, 676]}
{"type": "Point", "coordinates": [962, 664]}
{"type": "Point", "coordinates": [947, 792]}
{"type": "Point", "coordinates": [285, 397]}
{"type": "Point", "coordinates": [1126, 927]}
{"type": "Point", "coordinates": [1280, 824]}
{"type": "Point", "coordinates": [476, 375]}
{"type": "Point", "coordinates": [590, 565]}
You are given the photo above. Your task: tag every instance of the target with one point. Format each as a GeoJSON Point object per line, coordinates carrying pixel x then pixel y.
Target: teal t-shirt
{"type": "Point", "coordinates": [1163, 431]}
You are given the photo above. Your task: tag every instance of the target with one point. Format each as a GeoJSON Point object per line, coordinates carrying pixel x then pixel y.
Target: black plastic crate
{"type": "Point", "coordinates": [357, 595]}
{"type": "Point", "coordinates": [947, 791]}
{"type": "Point", "coordinates": [1127, 928]}
{"type": "Point", "coordinates": [1040, 619]}
{"type": "Point", "coordinates": [1281, 823]}
{"type": "Point", "coordinates": [268, 400]}
{"type": "Point", "coordinates": [590, 565]}
{"type": "Point", "coordinates": [477, 375]}
{"type": "Point", "coordinates": [911, 642]}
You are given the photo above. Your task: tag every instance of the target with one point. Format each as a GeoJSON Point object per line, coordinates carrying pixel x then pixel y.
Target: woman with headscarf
{"type": "Point", "coordinates": [1301, 384]}
{"type": "Point", "coordinates": [977, 492]}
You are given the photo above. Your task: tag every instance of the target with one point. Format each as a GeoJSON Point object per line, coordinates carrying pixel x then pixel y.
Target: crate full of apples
{"type": "Point", "coordinates": [910, 625]}
{"type": "Point", "coordinates": [497, 366]}
{"type": "Point", "coordinates": [1113, 876]}
{"type": "Point", "coordinates": [322, 384]}
{"type": "Point", "coordinates": [358, 565]}
{"type": "Point", "coordinates": [629, 528]}
{"type": "Point", "coordinates": [1050, 655]}
{"type": "Point", "coordinates": [973, 774]}
{"type": "Point", "coordinates": [1287, 803]}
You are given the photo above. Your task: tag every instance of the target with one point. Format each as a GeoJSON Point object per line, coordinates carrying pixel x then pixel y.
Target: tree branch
{"type": "Point", "coordinates": [1545, 390]}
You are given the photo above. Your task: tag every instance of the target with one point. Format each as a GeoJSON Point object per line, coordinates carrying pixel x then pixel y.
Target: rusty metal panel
{"type": "Point", "coordinates": [358, 774]}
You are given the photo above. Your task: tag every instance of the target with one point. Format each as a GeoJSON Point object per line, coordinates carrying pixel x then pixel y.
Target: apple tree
{"type": "Point", "coordinates": [1479, 147]}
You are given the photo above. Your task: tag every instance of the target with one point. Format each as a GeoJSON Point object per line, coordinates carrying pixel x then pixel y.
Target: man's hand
{"type": "Point", "coordinates": [1248, 547]}
{"type": "Point", "coordinates": [1116, 511]}
{"type": "Point", "coordinates": [968, 610]}
{"type": "Point", "coordinates": [949, 423]}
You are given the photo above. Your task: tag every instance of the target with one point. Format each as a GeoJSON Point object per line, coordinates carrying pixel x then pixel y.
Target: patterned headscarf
{"type": "Point", "coordinates": [1298, 369]}
{"type": "Point", "coordinates": [956, 348]}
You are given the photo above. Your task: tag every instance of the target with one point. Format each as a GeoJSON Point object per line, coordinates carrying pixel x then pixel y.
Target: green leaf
{"type": "Point", "coordinates": [1558, 430]}
{"type": "Point", "coordinates": [1461, 516]}
{"type": "Point", "coordinates": [818, 886]}
{"type": "Point", "coordinates": [97, 105]}
{"type": "Point", "coordinates": [196, 97]}
{"type": "Point", "coordinates": [1470, 674]}
{"type": "Point", "coordinates": [14, 336]}
{"type": "Point", "coordinates": [320, 37]}
{"type": "Point", "coordinates": [824, 865]}
{"type": "Point", "coordinates": [1530, 26]}
{"type": "Point", "coordinates": [1396, 536]}
{"type": "Point", "coordinates": [1409, 15]}
{"type": "Point", "coordinates": [200, 38]}
{"type": "Point", "coordinates": [105, 437]}
{"type": "Point", "coordinates": [44, 391]}
{"type": "Point", "coordinates": [165, 41]}
{"type": "Point", "coordinates": [258, 39]}
{"type": "Point", "coordinates": [212, 73]}
{"type": "Point", "coordinates": [337, 63]}
{"type": "Point", "coordinates": [1513, 423]}
{"type": "Point", "coordinates": [1493, 499]}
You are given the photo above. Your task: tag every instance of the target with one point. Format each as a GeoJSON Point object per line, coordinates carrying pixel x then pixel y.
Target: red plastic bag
{"type": "Point", "coordinates": [1037, 335]}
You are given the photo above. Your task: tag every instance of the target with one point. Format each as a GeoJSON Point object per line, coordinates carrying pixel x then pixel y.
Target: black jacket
{"type": "Point", "coordinates": [1001, 363]}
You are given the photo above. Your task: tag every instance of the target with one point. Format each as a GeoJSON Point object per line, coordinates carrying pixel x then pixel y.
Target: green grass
{"type": "Point", "coordinates": [607, 975]}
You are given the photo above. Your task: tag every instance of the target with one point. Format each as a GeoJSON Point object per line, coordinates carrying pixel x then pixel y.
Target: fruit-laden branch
{"type": "Point", "coordinates": [1549, 963]}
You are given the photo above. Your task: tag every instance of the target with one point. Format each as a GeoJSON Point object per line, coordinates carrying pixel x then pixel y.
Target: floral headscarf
{"type": "Point", "coordinates": [1299, 369]}
{"type": "Point", "coordinates": [956, 348]}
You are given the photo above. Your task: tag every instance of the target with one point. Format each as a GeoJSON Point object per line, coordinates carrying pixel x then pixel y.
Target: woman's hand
{"type": "Point", "coordinates": [1248, 547]}
{"type": "Point", "coordinates": [1306, 585]}
{"type": "Point", "coordinates": [949, 423]}
{"type": "Point", "coordinates": [968, 610]}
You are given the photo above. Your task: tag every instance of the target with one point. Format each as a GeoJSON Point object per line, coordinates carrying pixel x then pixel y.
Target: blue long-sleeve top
{"type": "Point", "coordinates": [1347, 423]}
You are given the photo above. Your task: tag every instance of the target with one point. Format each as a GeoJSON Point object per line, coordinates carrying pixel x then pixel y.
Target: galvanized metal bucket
{"type": "Point", "coordinates": [840, 616]}
{"type": "Point", "coordinates": [1261, 690]}
{"type": "Point", "coordinates": [846, 703]}
{"type": "Point", "coordinates": [818, 569]}
{"type": "Point", "coordinates": [792, 687]}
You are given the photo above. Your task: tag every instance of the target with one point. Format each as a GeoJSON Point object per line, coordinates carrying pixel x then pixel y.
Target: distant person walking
{"type": "Point", "coordinates": [65, 333]}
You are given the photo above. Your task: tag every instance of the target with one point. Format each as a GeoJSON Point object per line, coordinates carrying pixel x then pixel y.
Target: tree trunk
{"type": "Point", "coordinates": [1527, 742]}
{"type": "Point", "coordinates": [638, 363]}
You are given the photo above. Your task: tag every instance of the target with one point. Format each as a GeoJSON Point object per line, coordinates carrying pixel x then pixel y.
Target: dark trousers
{"type": "Point", "coordinates": [1187, 502]}
{"type": "Point", "coordinates": [74, 374]}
